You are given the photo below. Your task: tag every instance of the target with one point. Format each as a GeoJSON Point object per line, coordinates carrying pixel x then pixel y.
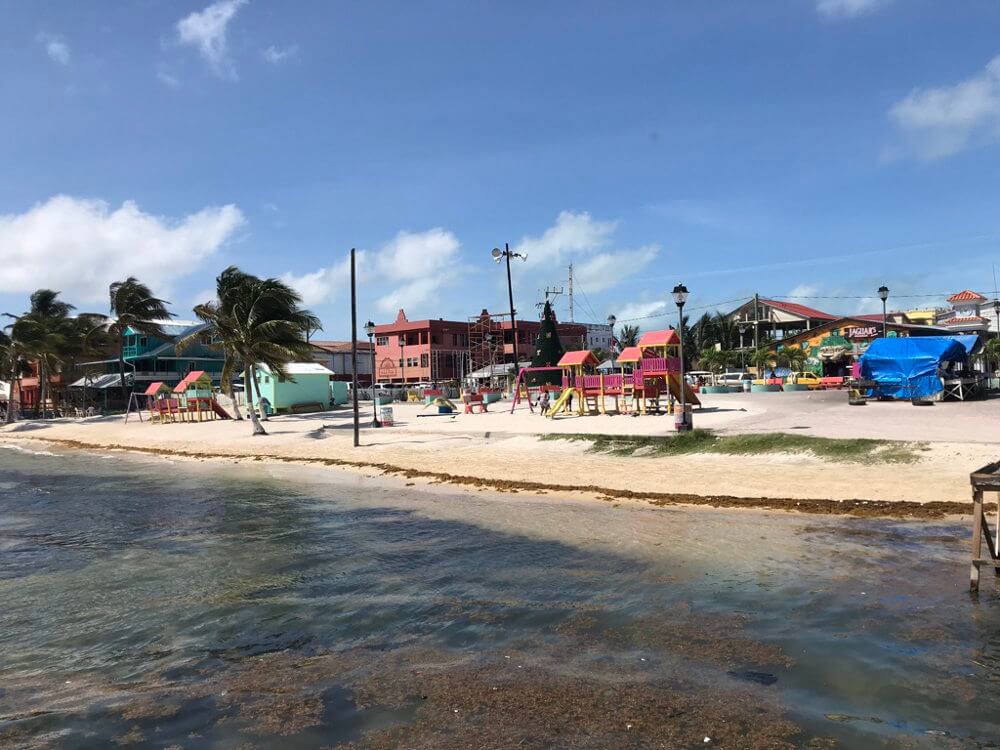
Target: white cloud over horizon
{"type": "Point", "coordinates": [942, 121]}
{"type": "Point", "coordinates": [840, 9]}
{"type": "Point", "coordinates": [412, 267]}
{"type": "Point", "coordinates": [55, 47]}
{"type": "Point", "coordinates": [78, 246]}
{"type": "Point", "coordinates": [207, 30]}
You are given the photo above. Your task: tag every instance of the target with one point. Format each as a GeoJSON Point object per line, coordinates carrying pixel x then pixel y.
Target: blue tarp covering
{"type": "Point", "coordinates": [909, 367]}
{"type": "Point", "coordinates": [970, 342]}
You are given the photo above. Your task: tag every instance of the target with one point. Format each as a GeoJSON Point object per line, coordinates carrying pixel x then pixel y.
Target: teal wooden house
{"type": "Point", "coordinates": [151, 359]}
{"type": "Point", "coordinates": [306, 388]}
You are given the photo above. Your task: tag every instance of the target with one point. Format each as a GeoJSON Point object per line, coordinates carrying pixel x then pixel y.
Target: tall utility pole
{"type": "Point", "coordinates": [756, 320]}
{"type": "Point", "coordinates": [506, 253]}
{"type": "Point", "coordinates": [570, 292]}
{"type": "Point", "coordinates": [354, 350]}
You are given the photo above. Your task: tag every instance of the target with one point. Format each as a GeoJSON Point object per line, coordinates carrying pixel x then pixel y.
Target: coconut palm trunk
{"type": "Point", "coordinates": [258, 428]}
{"type": "Point", "coordinates": [121, 363]}
{"type": "Point", "coordinates": [256, 387]}
{"type": "Point", "coordinates": [15, 385]}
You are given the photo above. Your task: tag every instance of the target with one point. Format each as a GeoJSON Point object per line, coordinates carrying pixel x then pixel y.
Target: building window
{"type": "Point", "coordinates": [425, 360]}
{"type": "Point", "coordinates": [382, 341]}
{"type": "Point", "coordinates": [143, 341]}
{"type": "Point", "coordinates": [400, 363]}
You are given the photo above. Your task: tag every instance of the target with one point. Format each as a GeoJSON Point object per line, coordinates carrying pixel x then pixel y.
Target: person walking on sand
{"type": "Point", "coordinates": [543, 403]}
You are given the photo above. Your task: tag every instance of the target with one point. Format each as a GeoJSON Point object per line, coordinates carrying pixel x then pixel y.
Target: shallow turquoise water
{"type": "Point", "coordinates": [125, 580]}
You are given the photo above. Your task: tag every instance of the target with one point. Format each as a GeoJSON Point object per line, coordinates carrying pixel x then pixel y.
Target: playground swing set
{"type": "Point", "coordinates": [191, 400]}
{"type": "Point", "coordinates": [654, 375]}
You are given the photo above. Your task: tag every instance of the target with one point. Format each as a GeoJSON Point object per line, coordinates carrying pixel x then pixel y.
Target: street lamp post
{"type": "Point", "coordinates": [883, 294]}
{"type": "Point", "coordinates": [680, 294]}
{"type": "Point", "coordinates": [996, 309]}
{"type": "Point", "coordinates": [611, 322]}
{"type": "Point", "coordinates": [498, 256]}
{"type": "Point", "coordinates": [743, 353]}
{"type": "Point", "coordinates": [370, 330]}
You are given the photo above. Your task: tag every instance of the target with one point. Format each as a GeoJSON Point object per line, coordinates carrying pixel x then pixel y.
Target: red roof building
{"type": "Point", "coordinates": [966, 296]}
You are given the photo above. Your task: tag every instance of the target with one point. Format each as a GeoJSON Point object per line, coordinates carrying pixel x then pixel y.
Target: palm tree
{"type": "Point", "coordinates": [762, 358]}
{"type": "Point", "coordinates": [134, 306]}
{"type": "Point", "coordinates": [13, 364]}
{"type": "Point", "coordinates": [726, 330]}
{"type": "Point", "coordinates": [254, 321]}
{"type": "Point", "coordinates": [628, 336]}
{"type": "Point", "coordinates": [703, 333]}
{"type": "Point", "coordinates": [991, 352]}
{"type": "Point", "coordinates": [45, 334]}
{"type": "Point", "coordinates": [791, 357]}
{"type": "Point", "coordinates": [716, 360]}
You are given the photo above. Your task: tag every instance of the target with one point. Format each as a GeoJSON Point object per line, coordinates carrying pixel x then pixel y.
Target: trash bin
{"type": "Point", "coordinates": [682, 419]}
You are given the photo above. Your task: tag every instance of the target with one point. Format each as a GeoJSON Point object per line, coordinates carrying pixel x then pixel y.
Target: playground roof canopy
{"type": "Point", "coordinates": [630, 354]}
{"type": "Point", "coordinates": [578, 358]}
{"type": "Point", "coordinates": [190, 378]}
{"type": "Point", "coordinates": [153, 388]}
{"type": "Point", "coordinates": [667, 337]}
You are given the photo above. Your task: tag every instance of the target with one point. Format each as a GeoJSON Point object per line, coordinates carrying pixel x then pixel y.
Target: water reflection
{"type": "Point", "coordinates": [157, 603]}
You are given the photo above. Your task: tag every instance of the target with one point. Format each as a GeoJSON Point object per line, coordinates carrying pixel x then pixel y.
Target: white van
{"type": "Point", "coordinates": [734, 378]}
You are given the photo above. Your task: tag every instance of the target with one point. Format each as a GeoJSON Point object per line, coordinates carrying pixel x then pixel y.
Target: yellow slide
{"type": "Point", "coordinates": [674, 382]}
{"type": "Point", "coordinates": [561, 403]}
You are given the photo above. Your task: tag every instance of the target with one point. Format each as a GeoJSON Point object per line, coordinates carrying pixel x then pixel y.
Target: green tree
{"type": "Point", "coordinates": [991, 352]}
{"type": "Point", "coordinates": [254, 321]}
{"type": "Point", "coordinates": [791, 357]}
{"type": "Point", "coordinates": [14, 366]}
{"type": "Point", "coordinates": [548, 350]}
{"type": "Point", "coordinates": [628, 336]}
{"type": "Point", "coordinates": [134, 306]}
{"type": "Point", "coordinates": [703, 333]}
{"type": "Point", "coordinates": [726, 330]}
{"type": "Point", "coordinates": [763, 359]}
{"type": "Point", "coordinates": [716, 360]}
{"type": "Point", "coordinates": [45, 334]}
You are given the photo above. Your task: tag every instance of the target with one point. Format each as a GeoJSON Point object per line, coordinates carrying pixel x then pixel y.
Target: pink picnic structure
{"type": "Point", "coordinates": [654, 372]}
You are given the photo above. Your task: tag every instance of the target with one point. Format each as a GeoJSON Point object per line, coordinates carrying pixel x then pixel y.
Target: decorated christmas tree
{"type": "Point", "coordinates": [548, 350]}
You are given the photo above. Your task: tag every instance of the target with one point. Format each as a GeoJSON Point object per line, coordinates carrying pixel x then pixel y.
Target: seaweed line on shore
{"type": "Point", "coordinates": [853, 507]}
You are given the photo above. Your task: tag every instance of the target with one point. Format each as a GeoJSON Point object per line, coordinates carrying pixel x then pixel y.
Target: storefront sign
{"type": "Point", "coordinates": [858, 332]}
{"type": "Point", "coordinates": [386, 370]}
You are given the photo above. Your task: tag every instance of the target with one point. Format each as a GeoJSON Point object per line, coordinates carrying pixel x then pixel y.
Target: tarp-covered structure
{"type": "Point", "coordinates": [911, 367]}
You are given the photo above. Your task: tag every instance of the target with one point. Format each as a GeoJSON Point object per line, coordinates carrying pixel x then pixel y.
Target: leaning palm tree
{"type": "Point", "coordinates": [45, 334]}
{"type": "Point", "coordinates": [133, 305]}
{"type": "Point", "coordinates": [254, 321]}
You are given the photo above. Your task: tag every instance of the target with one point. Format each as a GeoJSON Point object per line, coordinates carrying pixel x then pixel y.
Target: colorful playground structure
{"type": "Point", "coordinates": [191, 400]}
{"type": "Point", "coordinates": [653, 374]}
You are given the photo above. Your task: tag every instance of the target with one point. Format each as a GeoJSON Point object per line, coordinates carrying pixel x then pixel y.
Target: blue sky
{"type": "Point", "coordinates": [816, 148]}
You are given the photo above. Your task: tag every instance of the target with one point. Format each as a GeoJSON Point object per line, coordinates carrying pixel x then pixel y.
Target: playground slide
{"type": "Point", "coordinates": [560, 403]}
{"type": "Point", "coordinates": [222, 413]}
{"type": "Point", "coordinates": [690, 397]}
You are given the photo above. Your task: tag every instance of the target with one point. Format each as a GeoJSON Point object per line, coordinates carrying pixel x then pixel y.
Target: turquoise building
{"type": "Point", "coordinates": [149, 358]}
{"type": "Point", "coordinates": [307, 388]}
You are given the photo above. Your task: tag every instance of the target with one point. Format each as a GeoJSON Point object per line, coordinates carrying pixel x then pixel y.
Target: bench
{"type": "Point", "coordinates": [474, 401]}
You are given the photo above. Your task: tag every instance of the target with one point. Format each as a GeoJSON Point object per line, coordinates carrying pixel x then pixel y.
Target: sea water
{"type": "Point", "coordinates": [151, 603]}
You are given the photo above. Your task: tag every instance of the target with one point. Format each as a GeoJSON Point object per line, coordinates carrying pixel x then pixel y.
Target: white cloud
{"type": "Point", "coordinates": [167, 78]}
{"type": "Point", "coordinates": [414, 265]}
{"type": "Point", "coordinates": [939, 122]}
{"type": "Point", "coordinates": [634, 310]}
{"type": "Point", "coordinates": [55, 47]}
{"type": "Point", "coordinates": [848, 8]}
{"type": "Point", "coordinates": [276, 55]}
{"type": "Point", "coordinates": [206, 30]}
{"type": "Point", "coordinates": [79, 246]}
{"type": "Point", "coordinates": [571, 234]}
{"type": "Point", "coordinates": [606, 270]}
{"type": "Point", "coordinates": [803, 291]}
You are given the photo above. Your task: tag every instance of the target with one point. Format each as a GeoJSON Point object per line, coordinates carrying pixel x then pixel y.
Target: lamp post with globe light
{"type": "Point", "coordinates": [680, 294]}
{"type": "Point", "coordinates": [883, 294]}
{"type": "Point", "coordinates": [611, 322]}
{"type": "Point", "coordinates": [370, 330]}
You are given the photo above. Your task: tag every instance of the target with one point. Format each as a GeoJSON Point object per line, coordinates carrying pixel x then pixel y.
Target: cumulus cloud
{"type": "Point", "coordinates": [939, 122]}
{"type": "Point", "coordinates": [207, 29]}
{"type": "Point", "coordinates": [277, 55]}
{"type": "Point", "coordinates": [55, 47]}
{"type": "Point", "coordinates": [848, 8]}
{"type": "Point", "coordinates": [589, 244]}
{"type": "Point", "coordinates": [401, 265]}
{"type": "Point", "coordinates": [638, 310]}
{"type": "Point", "coordinates": [79, 246]}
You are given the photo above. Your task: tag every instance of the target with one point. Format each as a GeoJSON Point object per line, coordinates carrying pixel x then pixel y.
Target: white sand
{"type": "Point", "coordinates": [503, 446]}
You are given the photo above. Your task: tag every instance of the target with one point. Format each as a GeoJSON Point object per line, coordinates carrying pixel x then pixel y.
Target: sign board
{"type": "Point", "coordinates": [387, 370]}
{"type": "Point", "coordinates": [862, 332]}
{"type": "Point", "coordinates": [386, 416]}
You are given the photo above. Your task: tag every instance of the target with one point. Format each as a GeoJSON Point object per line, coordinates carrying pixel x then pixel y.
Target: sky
{"type": "Point", "coordinates": [812, 150]}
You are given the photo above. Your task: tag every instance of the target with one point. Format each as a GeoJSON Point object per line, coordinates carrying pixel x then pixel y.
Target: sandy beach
{"type": "Point", "coordinates": [505, 451]}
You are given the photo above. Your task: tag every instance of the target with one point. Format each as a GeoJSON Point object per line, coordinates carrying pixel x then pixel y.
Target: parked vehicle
{"type": "Point", "coordinates": [810, 379]}
{"type": "Point", "coordinates": [733, 378]}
